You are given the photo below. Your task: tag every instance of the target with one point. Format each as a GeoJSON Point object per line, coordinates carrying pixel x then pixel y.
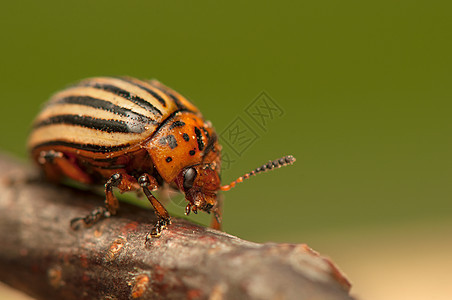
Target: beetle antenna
{"type": "Point", "coordinates": [278, 163]}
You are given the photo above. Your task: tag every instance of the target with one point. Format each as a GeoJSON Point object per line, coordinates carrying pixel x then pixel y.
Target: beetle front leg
{"type": "Point", "coordinates": [122, 181]}
{"type": "Point", "coordinates": [163, 219]}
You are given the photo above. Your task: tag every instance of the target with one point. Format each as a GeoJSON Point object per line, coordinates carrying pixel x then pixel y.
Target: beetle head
{"type": "Point", "coordinates": [200, 184]}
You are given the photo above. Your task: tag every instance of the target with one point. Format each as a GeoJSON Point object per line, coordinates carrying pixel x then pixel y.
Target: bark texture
{"type": "Point", "coordinates": [41, 255]}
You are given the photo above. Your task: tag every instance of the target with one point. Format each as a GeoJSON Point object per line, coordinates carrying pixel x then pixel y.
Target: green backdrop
{"type": "Point", "coordinates": [360, 91]}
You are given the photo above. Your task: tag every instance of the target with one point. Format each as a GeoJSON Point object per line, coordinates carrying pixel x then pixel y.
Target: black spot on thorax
{"type": "Point", "coordinates": [177, 124]}
{"type": "Point", "coordinates": [169, 140]}
{"type": "Point", "coordinates": [199, 139]}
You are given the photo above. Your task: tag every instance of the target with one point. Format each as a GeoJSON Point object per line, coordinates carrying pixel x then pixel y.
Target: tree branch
{"type": "Point", "coordinates": [43, 257]}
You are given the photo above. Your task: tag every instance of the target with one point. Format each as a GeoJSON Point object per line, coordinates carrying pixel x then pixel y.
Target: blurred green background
{"type": "Point", "coordinates": [365, 88]}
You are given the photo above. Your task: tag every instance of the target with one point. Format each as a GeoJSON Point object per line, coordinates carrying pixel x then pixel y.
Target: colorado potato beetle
{"type": "Point", "coordinates": [132, 134]}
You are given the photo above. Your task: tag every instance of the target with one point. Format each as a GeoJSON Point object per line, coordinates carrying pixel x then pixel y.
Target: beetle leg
{"type": "Point", "coordinates": [217, 213]}
{"type": "Point", "coordinates": [56, 163]}
{"type": "Point", "coordinates": [125, 183]}
{"type": "Point", "coordinates": [163, 219]}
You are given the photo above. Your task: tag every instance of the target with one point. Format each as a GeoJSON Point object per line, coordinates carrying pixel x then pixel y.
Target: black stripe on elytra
{"type": "Point", "coordinates": [112, 167]}
{"type": "Point", "coordinates": [199, 138]}
{"type": "Point", "coordinates": [111, 160]}
{"type": "Point", "coordinates": [167, 120]}
{"type": "Point", "coordinates": [126, 95]}
{"type": "Point", "coordinates": [85, 147]}
{"type": "Point", "coordinates": [92, 123]}
{"type": "Point", "coordinates": [169, 140]}
{"type": "Point", "coordinates": [177, 124]}
{"type": "Point", "coordinates": [106, 106]}
{"type": "Point", "coordinates": [154, 94]}
{"type": "Point", "coordinates": [166, 91]}
{"type": "Point", "coordinates": [186, 137]}
{"type": "Point", "coordinates": [107, 167]}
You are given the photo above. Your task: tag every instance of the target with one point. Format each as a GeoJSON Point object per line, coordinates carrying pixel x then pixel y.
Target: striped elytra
{"type": "Point", "coordinates": [104, 116]}
{"type": "Point", "coordinates": [131, 134]}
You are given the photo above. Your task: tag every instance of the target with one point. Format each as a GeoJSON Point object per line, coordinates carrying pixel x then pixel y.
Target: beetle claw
{"type": "Point", "coordinates": [76, 223]}
{"type": "Point", "coordinates": [97, 214]}
{"type": "Point", "coordinates": [187, 209]}
{"type": "Point", "coordinates": [159, 226]}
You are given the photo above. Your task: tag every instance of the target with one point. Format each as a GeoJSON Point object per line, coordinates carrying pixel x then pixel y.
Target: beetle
{"type": "Point", "coordinates": [132, 134]}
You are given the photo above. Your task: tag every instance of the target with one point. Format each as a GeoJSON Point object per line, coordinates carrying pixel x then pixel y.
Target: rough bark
{"type": "Point", "coordinates": [41, 255]}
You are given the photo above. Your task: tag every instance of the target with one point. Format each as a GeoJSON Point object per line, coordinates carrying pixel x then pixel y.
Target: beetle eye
{"type": "Point", "coordinates": [189, 178]}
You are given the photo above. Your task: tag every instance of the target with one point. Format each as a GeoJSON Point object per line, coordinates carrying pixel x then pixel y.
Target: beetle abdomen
{"type": "Point", "coordinates": [103, 116]}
